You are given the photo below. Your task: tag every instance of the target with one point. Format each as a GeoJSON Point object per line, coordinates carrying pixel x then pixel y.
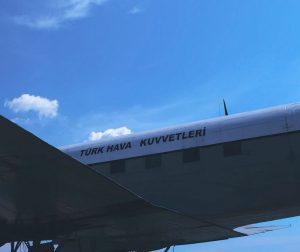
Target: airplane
{"type": "Point", "coordinates": [199, 182]}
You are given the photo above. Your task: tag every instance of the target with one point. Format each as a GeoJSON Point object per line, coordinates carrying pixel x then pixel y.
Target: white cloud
{"type": "Point", "coordinates": [26, 102]}
{"type": "Point", "coordinates": [66, 11]}
{"type": "Point", "coordinates": [45, 22]}
{"type": "Point", "coordinates": [109, 133]}
{"type": "Point", "coordinates": [136, 10]}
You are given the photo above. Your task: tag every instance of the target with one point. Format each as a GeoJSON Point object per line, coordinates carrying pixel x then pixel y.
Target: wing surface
{"type": "Point", "coordinates": [45, 194]}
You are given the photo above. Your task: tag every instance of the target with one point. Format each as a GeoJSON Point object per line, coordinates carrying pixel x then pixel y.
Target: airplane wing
{"type": "Point", "coordinates": [47, 195]}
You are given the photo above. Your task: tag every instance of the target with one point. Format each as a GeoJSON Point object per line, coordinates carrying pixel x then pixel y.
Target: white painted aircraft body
{"type": "Point", "coordinates": [266, 147]}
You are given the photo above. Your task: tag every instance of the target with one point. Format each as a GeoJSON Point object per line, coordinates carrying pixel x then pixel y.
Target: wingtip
{"type": "Point", "coordinates": [252, 230]}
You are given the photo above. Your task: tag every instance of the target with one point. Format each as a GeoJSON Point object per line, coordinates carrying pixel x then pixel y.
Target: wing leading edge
{"type": "Point", "coordinates": [45, 194]}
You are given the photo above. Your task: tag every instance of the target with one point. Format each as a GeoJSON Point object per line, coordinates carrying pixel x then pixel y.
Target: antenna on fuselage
{"type": "Point", "coordinates": [225, 108]}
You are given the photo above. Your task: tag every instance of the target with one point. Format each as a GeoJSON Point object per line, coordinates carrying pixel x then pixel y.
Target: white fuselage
{"type": "Point", "coordinates": [230, 166]}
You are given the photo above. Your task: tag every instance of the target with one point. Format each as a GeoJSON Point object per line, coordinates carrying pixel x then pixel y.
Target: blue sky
{"type": "Point", "coordinates": [92, 65]}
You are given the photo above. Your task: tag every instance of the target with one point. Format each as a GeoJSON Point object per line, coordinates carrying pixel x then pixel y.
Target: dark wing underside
{"type": "Point", "coordinates": [45, 194]}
